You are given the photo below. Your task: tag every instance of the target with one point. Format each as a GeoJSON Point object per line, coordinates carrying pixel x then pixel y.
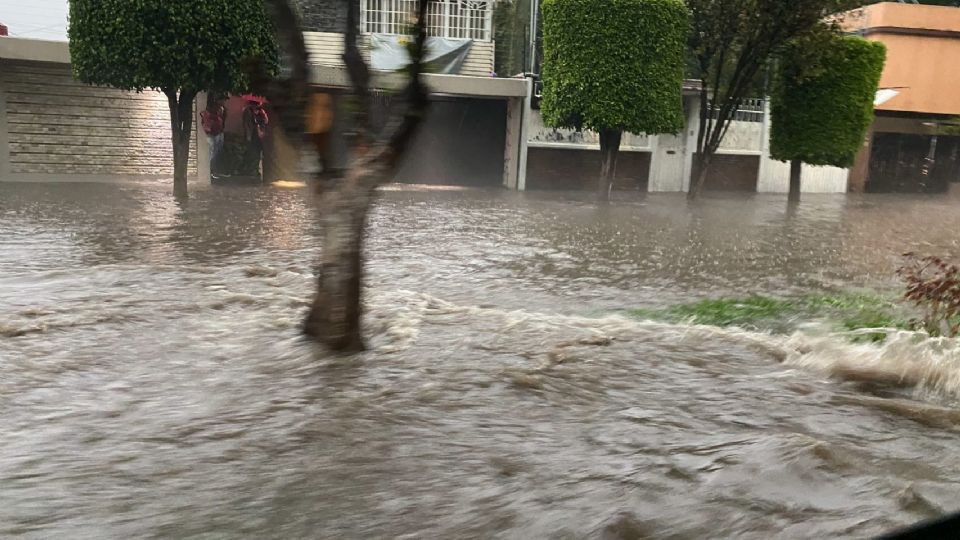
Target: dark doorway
{"type": "Point", "coordinates": [912, 163]}
{"type": "Point", "coordinates": [731, 172]}
{"type": "Point", "coordinates": [578, 169]}
{"type": "Point", "coordinates": [461, 143]}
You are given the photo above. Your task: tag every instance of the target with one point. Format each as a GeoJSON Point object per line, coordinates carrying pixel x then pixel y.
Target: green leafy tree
{"type": "Point", "coordinates": [951, 126]}
{"type": "Point", "coordinates": [613, 66]}
{"type": "Point", "coordinates": [178, 47]}
{"type": "Point", "coordinates": [511, 28]}
{"type": "Point", "coordinates": [823, 102]}
{"type": "Point", "coordinates": [732, 42]}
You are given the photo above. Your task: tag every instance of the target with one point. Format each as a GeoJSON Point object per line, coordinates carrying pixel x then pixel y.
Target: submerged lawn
{"type": "Point", "coordinates": [843, 311]}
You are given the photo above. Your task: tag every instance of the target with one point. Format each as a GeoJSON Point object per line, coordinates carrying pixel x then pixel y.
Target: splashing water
{"type": "Point", "coordinates": [154, 383]}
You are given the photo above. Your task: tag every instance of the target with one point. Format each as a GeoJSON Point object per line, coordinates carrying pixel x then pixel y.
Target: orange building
{"type": "Point", "coordinates": [910, 146]}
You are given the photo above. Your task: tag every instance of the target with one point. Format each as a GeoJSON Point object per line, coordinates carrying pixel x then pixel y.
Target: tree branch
{"type": "Point", "coordinates": [416, 92]}
{"type": "Point", "coordinates": [357, 67]}
{"type": "Point", "coordinates": [403, 124]}
{"type": "Point", "coordinates": [288, 92]}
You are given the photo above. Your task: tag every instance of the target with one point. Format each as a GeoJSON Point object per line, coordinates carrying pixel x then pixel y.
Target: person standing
{"type": "Point", "coordinates": [213, 119]}
{"type": "Point", "coordinates": [254, 129]}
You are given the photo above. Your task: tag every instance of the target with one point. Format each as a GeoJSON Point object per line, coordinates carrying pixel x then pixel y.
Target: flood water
{"type": "Point", "coordinates": [153, 382]}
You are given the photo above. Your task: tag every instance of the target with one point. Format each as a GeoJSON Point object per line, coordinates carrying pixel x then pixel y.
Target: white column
{"type": "Point", "coordinates": [690, 134]}
{"type": "Point", "coordinates": [525, 136]}
{"type": "Point", "coordinates": [764, 169]}
{"type": "Point", "coordinates": [446, 19]}
{"type": "Point", "coordinates": [4, 136]}
{"type": "Point", "coordinates": [511, 147]}
{"type": "Point", "coordinates": [772, 176]}
{"type": "Point", "coordinates": [655, 161]}
{"type": "Point", "coordinates": [488, 22]}
{"type": "Point", "coordinates": [203, 145]}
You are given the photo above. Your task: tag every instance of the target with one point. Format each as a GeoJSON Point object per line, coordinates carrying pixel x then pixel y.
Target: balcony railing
{"type": "Point", "coordinates": [750, 110]}
{"type": "Point", "coordinates": [468, 19]}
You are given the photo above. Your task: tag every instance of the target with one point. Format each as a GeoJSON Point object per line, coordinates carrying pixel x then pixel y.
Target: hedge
{"type": "Point", "coordinates": [822, 103]}
{"type": "Point", "coordinates": [198, 45]}
{"type": "Point", "coordinates": [614, 64]}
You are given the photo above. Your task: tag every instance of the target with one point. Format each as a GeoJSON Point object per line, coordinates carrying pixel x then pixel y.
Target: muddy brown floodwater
{"type": "Point", "coordinates": [153, 382]}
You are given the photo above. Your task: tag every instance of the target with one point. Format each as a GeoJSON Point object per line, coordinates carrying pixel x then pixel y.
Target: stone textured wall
{"type": "Point", "coordinates": [58, 126]}
{"type": "Point", "coordinates": [323, 15]}
{"type": "Point", "coordinates": [539, 133]}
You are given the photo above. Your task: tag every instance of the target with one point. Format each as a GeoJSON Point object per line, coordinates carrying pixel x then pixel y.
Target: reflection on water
{"type": "Point", "coordinates": [153, 381]}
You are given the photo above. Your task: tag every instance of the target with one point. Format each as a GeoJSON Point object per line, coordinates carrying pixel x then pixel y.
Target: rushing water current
{"type": "Point", "coordinates": [153, 382]}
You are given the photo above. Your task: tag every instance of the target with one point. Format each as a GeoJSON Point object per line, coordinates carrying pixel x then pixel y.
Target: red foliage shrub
{"type": "Point", "coordinates": [933, 285]}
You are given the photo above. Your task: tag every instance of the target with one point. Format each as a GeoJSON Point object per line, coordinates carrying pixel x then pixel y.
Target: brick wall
{"type": "Point", "coordinates": [323, 15]}
{"type": "Point", "coordinates": [58, 126]}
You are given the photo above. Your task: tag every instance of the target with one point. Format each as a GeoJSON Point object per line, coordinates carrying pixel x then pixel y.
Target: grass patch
{"type": "Point", "coordinates": [843, 311]}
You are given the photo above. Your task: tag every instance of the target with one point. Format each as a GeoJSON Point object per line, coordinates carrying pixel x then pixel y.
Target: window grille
{"type": "Point", "coordinates": [468, 19]}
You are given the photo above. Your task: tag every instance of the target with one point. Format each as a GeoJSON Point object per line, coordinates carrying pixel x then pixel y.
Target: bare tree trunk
{"type": "Point", "coordinates": [337, 311]}
{"type": "Point", "coordinates": [796, 168]}
{"type": "Point", "coordinates": [181, 125]}
{"type": "Point", "coordinates": [181, 153]}
{"type": "Point", "coordinates": [700, 173]}
{"type": "Point", "coordinates": [609, 149]}
{"type": "Point", "coordinates": [335, 317]}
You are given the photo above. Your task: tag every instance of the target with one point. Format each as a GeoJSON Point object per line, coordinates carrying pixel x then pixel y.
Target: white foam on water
{"type": "Point", "coordinates": [931, 366]}
{"type": "Point", "coordinates": [913, 360]}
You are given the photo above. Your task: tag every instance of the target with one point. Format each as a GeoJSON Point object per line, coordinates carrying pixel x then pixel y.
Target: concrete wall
{"type": "Point", "coordinates": [776, 179]}
{"type": "Point", "coordinates": [567, 159]}
{"type": "Point", "coordinates": [774, 176]}
{"type": "Point", "coordinates": [923, 43]}
{"type": "Point", "coordinates": [53, 127]}
{"type": "Point", "coordinates": [570, 159]}
{"type": "Point", "coordinates": [326, 48]}
{"type": "Point", "coordinates": [546, 137]}
{"type": "Point", "coordinates": [743, 137]}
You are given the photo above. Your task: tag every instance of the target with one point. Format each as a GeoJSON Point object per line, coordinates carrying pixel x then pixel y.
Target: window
{"type": "Point", "coordinates": [468, 19]}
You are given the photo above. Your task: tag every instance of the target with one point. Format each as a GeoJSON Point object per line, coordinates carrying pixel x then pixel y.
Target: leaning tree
{"type": "Point", "coordinates": [731, 43]}
{"type": "Point", "coordinates": [823, 102]}
{"type": "Point", "coordinates": [179, 48]}
{"type": "Point", "coordinates": [335, 315]}
{"type": "Point", "coordinates": [614, 66]}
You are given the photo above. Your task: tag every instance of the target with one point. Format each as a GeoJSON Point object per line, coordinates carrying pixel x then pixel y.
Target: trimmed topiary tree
{"type": "Point", "coordinates": [823, 102]}
{"type": "Point", "coordinates": [613, 66]}
{"type": "Point", "coordinates": [179, 48]}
